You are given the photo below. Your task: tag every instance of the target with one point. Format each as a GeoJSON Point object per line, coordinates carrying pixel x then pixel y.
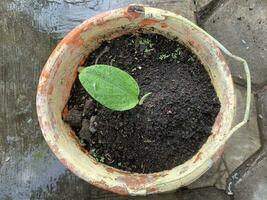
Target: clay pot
{"type": "Point", "coordinates": [60, 72]}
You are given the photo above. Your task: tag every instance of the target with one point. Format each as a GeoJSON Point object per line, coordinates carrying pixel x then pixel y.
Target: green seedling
{"type": "Point", "coordinates": [176, 54]}
{"type": "Point", "coordinates": [191, 59]}
{"type": "Point", "coordinates": [147, 50]}
{"type": "Point", "coordinates": [102, 159]}
{"type": "Point", "coordinates": [148, 45]}
{"type": "Point", "coordinates": [147, 42]}
{"type": "Point", "coordinates": [93, 153]}
{"type": "Point", "coordinates": [111, 87]}
{"type": "Point", "coordinates": [164, 56]}
{"type": "Point", "coordinates": [132, 42]}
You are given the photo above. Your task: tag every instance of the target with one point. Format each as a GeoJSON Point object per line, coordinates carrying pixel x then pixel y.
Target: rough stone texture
{"type": "Point", "coordinates": [242, 27]}
{"type": "Point", "coordinates": [184, 8]}
{"type": "Point", "coordinates": [246, 140]}
{"type": "Point", "coordinates": [29, 31]}
{"type": "Point", "coordinates": [223, 175]}
{"type": "Point", "coordinates": [253, 186]}
{"type": "Point", "coordinates": [208, 193]}
{"type": "Point", "coordinates": [262, 115]}
{"type": "Point", "coordinates": [215, 176]}
{"type": "Point", "coordinates": [201, 4]}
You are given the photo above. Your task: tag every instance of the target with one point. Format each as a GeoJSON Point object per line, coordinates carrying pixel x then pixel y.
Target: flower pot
{"type": "Point", "coordinates": [60, 73]}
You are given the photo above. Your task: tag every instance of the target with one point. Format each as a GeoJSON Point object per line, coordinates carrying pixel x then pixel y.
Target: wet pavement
{"type": "Point", "coordinates": [30, 30]}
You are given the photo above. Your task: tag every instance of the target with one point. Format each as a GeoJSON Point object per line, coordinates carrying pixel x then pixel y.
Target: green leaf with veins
{"type": "Point", "coordinates": [110, 86]}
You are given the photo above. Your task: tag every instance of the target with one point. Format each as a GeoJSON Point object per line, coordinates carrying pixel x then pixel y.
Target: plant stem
{"type": "Point", "coordinates": [106, 49]}
{"type": "Point", "coordinates": [143, 98]}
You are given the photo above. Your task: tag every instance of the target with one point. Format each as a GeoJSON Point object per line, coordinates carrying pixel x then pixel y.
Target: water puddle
{"type": "Point", "coordinates": [29, 31]}
{"type": "Point", "coordinates": [60, 16]}
{"type": "Point", "coordinates": [21, 175]}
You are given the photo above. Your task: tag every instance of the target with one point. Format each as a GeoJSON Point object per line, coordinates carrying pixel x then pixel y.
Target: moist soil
{"type": "Point", "coordinates": [172, 124]}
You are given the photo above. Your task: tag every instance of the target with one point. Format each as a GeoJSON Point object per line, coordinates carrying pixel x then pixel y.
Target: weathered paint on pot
{"type": "Point", "coordinates": [60, 72]}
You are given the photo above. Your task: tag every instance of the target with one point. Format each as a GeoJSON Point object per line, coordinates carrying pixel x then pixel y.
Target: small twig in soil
{"type": "Point", "coordinates": [112, 60]}
{"type": "Point", "coordinates": [143, 98]}
{"type": "Point", "coordinates": [106, 49]}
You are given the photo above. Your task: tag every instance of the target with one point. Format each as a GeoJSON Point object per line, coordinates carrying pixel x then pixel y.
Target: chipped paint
{"type": "Point", "coordinates": [50, 90]}
{"type": "Point", "coordinates": [198, 157]}
{"type": "Point", "coordinates": [164, 25]}
{"type": "Point", "coordinates": [110, 169]}
{"type": "Point", "coordinates": [82, 62]}
{"type": "Point", "coordinates": [149, 22]}
{"type": "Point", "coordinates": [152, 190]}
{"type": "Point", "coordinates": [194, 44]}
{"type": "Point", "coordinates": [73, 39]}
{"type": "Point", "coordinates": [65, 111]}
{"type": "Point", "coordinates": [218, 123]}
{"type": "Point", "coordinates": [133, 12]}
{"type": "Point", "coordinates": [120, 190]}
{"type": "Point", "coordinates": [134, 182]}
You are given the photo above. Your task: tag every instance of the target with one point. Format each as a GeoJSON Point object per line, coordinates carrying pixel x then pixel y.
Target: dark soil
{"type": "Point", "coordinates": [172, 124]}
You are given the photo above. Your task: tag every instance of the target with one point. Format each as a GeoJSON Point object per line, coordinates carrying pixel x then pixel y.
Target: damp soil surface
{"type": "Point", "coordinates": [172, 124]}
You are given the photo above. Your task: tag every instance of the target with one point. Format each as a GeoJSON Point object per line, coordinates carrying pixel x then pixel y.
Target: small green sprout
{"type": "Point", "coordinates": [176, 54]}
{"type": "Point", "coordinates": [132, 42]}
{"type": "Point", "coordinates": [147, 50]}
{"type": "Point", "coordinates": [111, 86]}
{"type": "Point", "coordinates": [102, 159]}
{"type": "Point", "coordinates": [93, 152]}
{"type": "Point", "coordinates": [164, 56]}
{"type": "Point", "coordinates": [147, 42]}
{"type": "Point", "coordinates": [191, 59]}
{"type": "Point", "coordinates": [178, 51]}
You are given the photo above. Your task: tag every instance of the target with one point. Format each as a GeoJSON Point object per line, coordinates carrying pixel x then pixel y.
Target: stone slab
{"type": "Point", "coordinates": [208, 193]}
{"type": "Point", "coordinates": [246, 140]}
{"type": "Point", "coordinates": [215, 176]}
{"type": "Point", "coordinates": [241, 26]}
{"type": "Point", "coordinates": [253, 186]}
{"type": "Point", "coordinates": [201, 4]}
{"type": "Point", "coordinates": [184, 8]}
{"type": "Point", "coordinates": [262, 115]}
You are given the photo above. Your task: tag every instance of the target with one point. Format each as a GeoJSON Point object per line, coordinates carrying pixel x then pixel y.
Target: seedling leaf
{"type": "Point", "coordinates": [110, 86]}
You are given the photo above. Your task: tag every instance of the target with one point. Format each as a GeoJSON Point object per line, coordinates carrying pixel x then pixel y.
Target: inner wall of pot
{"type": "Point", "coordinates": [93, 39]}
{"type": "Point", "coordinates": [104, 33]}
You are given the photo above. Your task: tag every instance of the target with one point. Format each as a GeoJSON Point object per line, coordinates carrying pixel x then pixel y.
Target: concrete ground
{"type": "Point", "coordinates": [30, 30]}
